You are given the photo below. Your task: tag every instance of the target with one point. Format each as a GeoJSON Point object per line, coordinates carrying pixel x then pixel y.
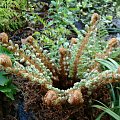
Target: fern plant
{"type": "Point", "coordinates": [11, 14]}
{"type": "Point", "coordinates": [61, 78]}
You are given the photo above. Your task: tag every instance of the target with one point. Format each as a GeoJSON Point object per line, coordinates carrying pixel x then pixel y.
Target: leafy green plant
{"type": "Point", "coordinates": [71, 11]}
{"type": "Point", "coordinates": [6, 85]}
{"type": "Point", "coordinates": [11, 17]}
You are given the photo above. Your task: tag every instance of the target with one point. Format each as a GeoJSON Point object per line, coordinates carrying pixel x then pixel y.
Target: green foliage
{"type": "Point", "coordinates": [6, 85]}
{"type": "Point", "coordinates": [3, 79]}
{"type": "Point", "coordinates": [11, 14]}
{"type": "Point", "coordinates": [72, 10]}
{"type": "Point", "coordinates": [52, 39]}
{"type": "Point", "coordinates": [62, 16]}
{"type": "Point", "coordinates": [110, 64]}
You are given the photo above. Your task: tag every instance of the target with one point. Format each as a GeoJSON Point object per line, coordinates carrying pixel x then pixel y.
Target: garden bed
{"type": "Point", "coordinates": [67, 64]}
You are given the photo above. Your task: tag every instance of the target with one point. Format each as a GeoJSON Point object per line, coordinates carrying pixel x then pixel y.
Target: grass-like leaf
{"type": "Point", "coordinates": [114, 62]}
{"type": "Point", "coordinates": [99, 117]}
{"type": "Point", "coordinates": [107, 110]}
{"type": "Point", "coordinates": [111, 64]}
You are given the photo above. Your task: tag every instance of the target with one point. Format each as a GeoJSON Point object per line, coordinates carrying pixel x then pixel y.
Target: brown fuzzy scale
{"type": "Point", "coordinates": [112, 42]}
{"type": "Point", "coordinates": [95, 17]}
{"type": "Point", "coordinates": [111, 45]}
{"type": "Point", "coordinates": [80, 52]}
{"type": "Point", "coordinates": [108, 78]}
{"type": "Point", "coordinates": [27, 58]}
{"type": "Point", "coordinates": [28, 39]}
{"type": "Point", "coordinates": [50, 97]}
{"type": "Point", "coordinates": [4, 37]}
{"type": "Point", "coordinates": [63, 72]}
{"type": "Point", "coordinates": [20, 73]}
{"type": "Point", "coordinates": [37, 96]}
{"type": "Point", "coordinates": [5, 60]}
{"type": "Point", "coordinates": [73, 41]}
{"type": "Point", "coordinates": [75, 97]}
{"type": "Point", "coordinates": [33, 94]}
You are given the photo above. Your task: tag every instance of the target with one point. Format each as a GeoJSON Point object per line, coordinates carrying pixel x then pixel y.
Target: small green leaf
{"type": "Point", "coordinates": [109, 17]}
{"type": "Point", "coordinates": [53, 3]}
{"type": "Point", "coordinates": [50, 23]}
{"type": "Point", "coordinates": [5, 89]}
{"type": "Point", "coordinates": [3, 79]}
{"type": "Point", "coordinates": [4, 50]}
{"type": "Point", "coordinates": [9, 90]}
{"type": "Point", "coordinates": [10, 95]}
